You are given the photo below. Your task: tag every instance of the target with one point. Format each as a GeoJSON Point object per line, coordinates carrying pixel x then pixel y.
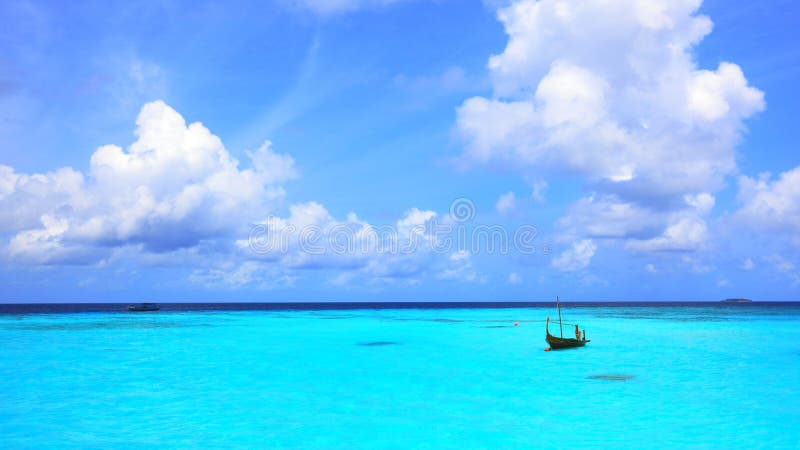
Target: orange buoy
{"type": "Point", "coordinates": [516, 324]}
{"type": "Point", "coordinates": [547, 349]}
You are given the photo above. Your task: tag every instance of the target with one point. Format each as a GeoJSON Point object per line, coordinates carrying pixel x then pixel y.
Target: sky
{"type": "Point", "coordinates": [399, 150]}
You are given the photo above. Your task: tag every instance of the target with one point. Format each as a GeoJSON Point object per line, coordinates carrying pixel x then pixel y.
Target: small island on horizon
{"type": "Point", "coordinates": [737, 300]}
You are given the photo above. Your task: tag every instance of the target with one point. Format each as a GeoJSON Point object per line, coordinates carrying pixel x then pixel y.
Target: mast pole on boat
{"type": "Point", "coordinates": [560, 325]}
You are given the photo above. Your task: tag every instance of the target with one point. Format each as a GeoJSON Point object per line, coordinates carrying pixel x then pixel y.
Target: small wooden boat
{"type": "Point", "coordinates": [144, 307]}
{"type": "Point", "coordinates": [558, 343]}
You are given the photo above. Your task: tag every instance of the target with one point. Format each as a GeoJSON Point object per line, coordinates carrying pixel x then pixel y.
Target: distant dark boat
{"type": "Point", "coordinates": [558, 343]}
{"type": "Point", "coordinates": [144, 307]}
{"type": "Point", "coordinates": [737, 300]}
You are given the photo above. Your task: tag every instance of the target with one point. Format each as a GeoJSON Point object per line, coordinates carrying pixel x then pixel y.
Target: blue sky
{"type": "Point", "coordinates": [652, 145]}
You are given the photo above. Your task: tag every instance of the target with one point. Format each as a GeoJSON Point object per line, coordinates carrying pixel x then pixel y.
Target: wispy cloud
{"type": "Point", "coordinates": [327, 8]}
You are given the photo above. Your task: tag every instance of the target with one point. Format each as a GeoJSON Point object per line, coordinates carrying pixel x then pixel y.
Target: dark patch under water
{"type": "Point", "coordinates": [611, 377]}
{"type": "Point", "coordinates": [377, 343]}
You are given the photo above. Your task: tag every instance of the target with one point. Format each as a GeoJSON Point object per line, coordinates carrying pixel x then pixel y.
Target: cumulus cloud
{"type": "Point", "coordinates": [771, 204]}
{"type": "Point", "coordinates": [506, 203]}
{"type": "Point", "coordinates": [44, 245]}
{"type": "Point", "coordinates": [608, 216]}
{"type": "Point", "coordinates": [641, 228]}
{"type": "Point", "coordinates": [578, 256]}
{"type": "Point", "coordinates": [686, 234]}
{"type": "Point", "coordinates": [610, 91]}
{"type": "Point", "coordinates": [177, 193]}
{"type": "Point", "coordinates": [459, 268]}
{"type": "Point", "coordinates": [414, 222]}
{"type": "Point", "coordinates": [514, 278]}
{"type": "Point", "coordinates": [311, 238]}
{"type": "Point", "coordinates": [174, 187]}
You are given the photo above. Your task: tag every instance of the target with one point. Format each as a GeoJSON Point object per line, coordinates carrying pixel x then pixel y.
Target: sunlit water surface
{"type": "Point", "coordinates": [698, 377]}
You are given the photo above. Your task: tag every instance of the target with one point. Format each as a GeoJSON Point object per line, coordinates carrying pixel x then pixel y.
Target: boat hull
{"type": "Point", "coordinates": [557, 343]}
{"type": "Point", "coordinates": [142, 308]}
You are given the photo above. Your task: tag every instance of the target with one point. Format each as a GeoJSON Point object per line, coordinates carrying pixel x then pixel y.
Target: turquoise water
{"type": "Point", "coordinates": [702, 377]}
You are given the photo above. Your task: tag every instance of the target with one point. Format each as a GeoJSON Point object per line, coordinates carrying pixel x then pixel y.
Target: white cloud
{"type": "Point", "coordinates": [44, 245]}
{"type": "Point", "coordinates": [174, 187]}
{"type": "Point", "coordinates": [686, 234]}
{"type": "Point", "coordinates": [26, 198]}
{"type": "Point", "coordinates": [702, 202]}
{"type": "Point", "coordinates": [748, 264]}
{"type": "Point", "coordinates": [771, 204]}
{"type": "Point", "coordinates": [785, 267]}
{"type": "Point", "coordinates": [610, 91]}
{"type": "Point", "coordinates": [539, 187]}
{"type": "Point", "coordinates": [780, 263]}
{"type": "Point", "coordinates": [607, 216]}
{"type": "Point", "coordinates": [310, 238]}
{"type": "Point", "coordinates": [640, 228]}
{"type": "Point", "coordinates": [249, 273]}
{"type": "Point", "coordinates": [414, 222]}
{"type": "Point", "coordinates": [576, 257]}
{"type": "Point", "coordinates": [716, 95]}
{"type": "Point", "coordinates": [650, 268]}
{"type": "Point", "coordinates": [272, 167]}
{"type": "Point", "coordinates": [452, 80]}
{"type": "Point", "coordinates": [177, 195]}
{"type": "Point", "coordinates": [506, 203]}
{"type": "Point", "coordinates": [342, 279]}
{"type": "Point", "coordinates": [696, 265]}
{"type": "Point", "coordinates": [460, 268]}
{"type": "Point", "coordinates": [514, 278]}
{"type": "Point", "coordinates": [597, 89]}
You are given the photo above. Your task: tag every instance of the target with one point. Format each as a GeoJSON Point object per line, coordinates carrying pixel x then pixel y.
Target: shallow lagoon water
{"type": "Point", "coordinates": [653, 377]}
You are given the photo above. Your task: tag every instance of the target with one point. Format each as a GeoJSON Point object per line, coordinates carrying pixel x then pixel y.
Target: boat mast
{"type": "Point", "coordinates": [560, 325]}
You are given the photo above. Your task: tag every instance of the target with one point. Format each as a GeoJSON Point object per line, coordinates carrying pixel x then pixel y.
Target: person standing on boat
{"type": "Point", "coordinates": [577, 332]}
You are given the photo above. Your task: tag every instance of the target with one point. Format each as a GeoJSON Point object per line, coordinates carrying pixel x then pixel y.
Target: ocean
{"type": "Point", "coordinates": [409, 375]}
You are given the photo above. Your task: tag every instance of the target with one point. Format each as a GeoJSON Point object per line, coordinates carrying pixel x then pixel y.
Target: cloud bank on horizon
{"type": "Point", "coordinates": [607, 93]}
